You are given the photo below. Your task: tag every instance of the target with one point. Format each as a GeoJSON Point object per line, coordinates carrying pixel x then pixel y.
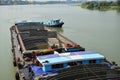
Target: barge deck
{"type": "Point", "coordinates": [29, 38]}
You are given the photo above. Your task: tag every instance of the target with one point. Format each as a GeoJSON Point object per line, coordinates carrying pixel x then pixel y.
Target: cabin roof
{"type": "Point", "coordinates": [68, 57]}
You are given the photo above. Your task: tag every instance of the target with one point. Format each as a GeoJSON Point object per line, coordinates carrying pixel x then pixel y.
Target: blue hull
{"type": "Point", "coordinates": [56, 25]}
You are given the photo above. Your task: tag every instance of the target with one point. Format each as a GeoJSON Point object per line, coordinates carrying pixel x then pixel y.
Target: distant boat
{"type": "Point", "coordinates": [53, 23]}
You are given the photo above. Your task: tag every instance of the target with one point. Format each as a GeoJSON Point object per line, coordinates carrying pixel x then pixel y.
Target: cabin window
{"type": "Point", "coordinates": [99, 61]}
{"type": "Point", "coordinates": [57, 66]}
{"type": "Point", "coordinates": [92, 61]}
{"type": "Point", "coordinates": [72, 63]}
{"type": "Point", "coordinates": [79, 62]}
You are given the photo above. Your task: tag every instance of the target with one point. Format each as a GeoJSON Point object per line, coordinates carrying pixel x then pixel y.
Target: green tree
{"type": "Point", "coordinates": [118, 2]}
{"type": "Point", "coordinates": [91, 5]}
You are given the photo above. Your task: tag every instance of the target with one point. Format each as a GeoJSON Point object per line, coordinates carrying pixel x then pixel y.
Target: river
{"type": "Point", "coordinates": [95, 30]}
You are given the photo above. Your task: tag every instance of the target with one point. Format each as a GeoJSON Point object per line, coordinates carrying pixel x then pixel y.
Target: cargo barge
{"type": "Point", "coordinates": [42, 54]}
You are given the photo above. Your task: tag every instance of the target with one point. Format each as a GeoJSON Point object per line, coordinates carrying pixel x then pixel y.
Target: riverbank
{"type": "Point", "coordinates": [103, 8]}
{"type": "Point", "coordinates": [102, 5]}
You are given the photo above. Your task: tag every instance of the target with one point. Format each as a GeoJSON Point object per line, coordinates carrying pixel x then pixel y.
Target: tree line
{"type": "Point", "coordinates": [102, 5]}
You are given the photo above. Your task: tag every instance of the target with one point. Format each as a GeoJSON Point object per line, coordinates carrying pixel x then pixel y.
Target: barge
{"type": "Point", "coordinates": [42, 54]}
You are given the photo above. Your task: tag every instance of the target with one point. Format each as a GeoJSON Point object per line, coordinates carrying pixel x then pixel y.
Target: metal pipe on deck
{"type": "Point", "coordinates": [20, 39]}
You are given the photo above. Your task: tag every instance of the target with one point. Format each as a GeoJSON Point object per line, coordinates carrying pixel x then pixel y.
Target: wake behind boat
{"type": "Point", "coordinates": [53, 23]}
{"type": "Point", "coordinates": [42, 54]}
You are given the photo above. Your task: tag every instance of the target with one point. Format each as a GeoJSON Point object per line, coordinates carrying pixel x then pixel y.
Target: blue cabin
{"type": "Point", "coordinates": [55, 62]}
{"type": "Point", "coordinates": [52, 22]}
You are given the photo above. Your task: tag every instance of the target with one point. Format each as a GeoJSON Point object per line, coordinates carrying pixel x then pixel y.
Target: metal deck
{"type": "Point", "coordinates": [17, 53]}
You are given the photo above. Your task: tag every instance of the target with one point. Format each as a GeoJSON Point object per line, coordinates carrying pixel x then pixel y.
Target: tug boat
{"type": "Point", "coordinates": [53, 23]}
{"type": "Point", "coordinates": [42, 54]}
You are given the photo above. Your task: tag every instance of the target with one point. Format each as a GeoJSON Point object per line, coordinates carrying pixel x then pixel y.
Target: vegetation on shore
{"type": "Point", "coordinates": [101, 5]}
